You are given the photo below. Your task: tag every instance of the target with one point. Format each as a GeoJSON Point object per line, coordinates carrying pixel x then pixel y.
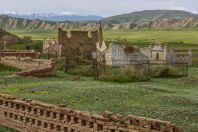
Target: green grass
{"type": "Point", "coordinates": [7, 70]}
{"type": "Point", "coordinates": [36, 34]}
{"type": "Point", "coordinates": [181, 38]}
{"type": "Point", "coordinates": [5, 129]}
{"type": "Point", "coordinates": [171, 99]}
{"type": "Point", "coordinates": [36, 45]}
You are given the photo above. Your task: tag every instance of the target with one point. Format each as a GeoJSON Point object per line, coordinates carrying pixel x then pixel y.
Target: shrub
{"type": "Point", "coordinates": [7, 68]}
{"type": "Point", "coordinates": [125, 74]}
{"type": "Point", "coordinates": [161, 70]}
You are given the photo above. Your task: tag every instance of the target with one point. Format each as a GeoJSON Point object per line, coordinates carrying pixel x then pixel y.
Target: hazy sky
{"type": "Point", "coordinates": [98, 7]}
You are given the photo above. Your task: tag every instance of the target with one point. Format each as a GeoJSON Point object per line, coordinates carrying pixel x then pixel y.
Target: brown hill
{"type": "Point", "coordinates": [18, 23]}
{"type": "Point", "coordinates": [175, 23]}
{"type": "Point", "coordinates": [161, 23]}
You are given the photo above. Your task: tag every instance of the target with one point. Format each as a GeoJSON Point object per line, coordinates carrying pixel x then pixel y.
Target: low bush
{"type": "Point", "coordinates": [85, 70]}
{"type": "Point", "coordinates": [164, 71]}
{"type": "Point", "coordinates": [7, 68]}
{"type": "Point", "coordinates": [125, 74]}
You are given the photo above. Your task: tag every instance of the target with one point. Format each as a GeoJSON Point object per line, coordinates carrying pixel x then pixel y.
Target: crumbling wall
{"type": "Point", "coordinates": [75, 41]}
{"type": "Point", "coordinates": [31, 67]}
{"type": "Point", "coordinates": [32, 116]}
{"type": "Point", "coordinates": [51, 46]}
{"type": "Point", "coordinates": [31, 54]}
{"type": "Point", "coordinates": [179, 58]}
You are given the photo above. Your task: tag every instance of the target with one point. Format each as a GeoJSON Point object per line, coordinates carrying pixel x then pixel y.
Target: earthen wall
{"type": "Point", "coordinates": [32, 116]}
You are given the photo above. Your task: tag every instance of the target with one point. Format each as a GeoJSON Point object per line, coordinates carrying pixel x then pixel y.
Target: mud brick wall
{"type": "Point", "coordinates": [31, 67]}
{"type": "Point", "coordinates": [51, 46]}
{"type": "Point", "coordinates": [76, 41]}
{"type": "Point", "coordinates": [20, 54]}
{"type": "Point", "coordinates": [32, 116]}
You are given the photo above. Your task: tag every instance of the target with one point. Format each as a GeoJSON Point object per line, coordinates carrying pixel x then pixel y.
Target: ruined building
{"type": "Point", "coordinates": [74, 42]}
{"type": "Point", "coordinates": [119, 54]}
{"type": "Point", "coordinates": [159, 53]}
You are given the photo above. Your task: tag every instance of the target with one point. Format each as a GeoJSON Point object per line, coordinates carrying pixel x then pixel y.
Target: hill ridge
{"type": "Point", "coordinates": [143, 19]}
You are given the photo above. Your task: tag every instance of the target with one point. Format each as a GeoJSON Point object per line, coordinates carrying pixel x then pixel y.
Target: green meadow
{"type": "Point", "coordinates": [170, 99]}
{"type": "Point", "coordinates": [180, 39]}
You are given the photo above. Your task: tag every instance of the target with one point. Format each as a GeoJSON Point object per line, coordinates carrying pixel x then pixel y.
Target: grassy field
{"type": "Point", "coordinates": [171, 99]}
{"type": "Point", "coordinates": [182, 39]}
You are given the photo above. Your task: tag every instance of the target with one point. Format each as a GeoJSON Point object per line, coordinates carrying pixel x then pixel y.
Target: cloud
{"type": "Point", "coordinates": [183, 8]}
{"type": "Point", "coordinates": [178, 8]}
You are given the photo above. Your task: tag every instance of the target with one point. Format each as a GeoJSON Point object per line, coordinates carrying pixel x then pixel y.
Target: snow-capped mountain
{"type": "Point", "coordinates": [64, 16]}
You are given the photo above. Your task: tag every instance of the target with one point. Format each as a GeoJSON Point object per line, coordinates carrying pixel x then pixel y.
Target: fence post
{"type": "Point", "coordinates": [48, 55]}
{"type": "Point", "coordinates": [1, 55]}
{"type": "Point", "coordinates": [95, 67]}
{"type": "Point", "coordinates": [149, 69]}
{"type": "Point", "coordinates": [41, 55]}
{"type": "Point", "coordinates": [66, 62]}
{"type": "Point", "coordinates": [56, 55]}
{"type": "Point", "coordinates": [187, 68]}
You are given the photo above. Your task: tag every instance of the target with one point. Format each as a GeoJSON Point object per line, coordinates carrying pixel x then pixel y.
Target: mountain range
{"type": "Point", "coordinates": [54, 16]}
{"type": "Point", "coordinates": [157, 19]}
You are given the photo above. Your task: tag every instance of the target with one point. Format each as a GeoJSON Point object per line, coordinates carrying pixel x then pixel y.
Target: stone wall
{"type": "Point", "coordinates": [32, 116]}
{"type": "Point", "coordinates": [31, 67]}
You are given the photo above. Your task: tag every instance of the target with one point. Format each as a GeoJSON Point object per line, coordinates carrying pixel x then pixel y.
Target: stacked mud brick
{"type": "Point", "coordinates": [33, 116]}
{"type": "Point", "coordinates": [24, 53]}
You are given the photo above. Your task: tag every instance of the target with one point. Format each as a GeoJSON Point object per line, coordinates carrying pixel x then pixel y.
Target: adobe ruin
{"type": "Point", "coordinates": [20, 53]}
{"type": "Point", "coordinates": [73, 42]}
{"type": "Point", "coordinates": [31, 67]}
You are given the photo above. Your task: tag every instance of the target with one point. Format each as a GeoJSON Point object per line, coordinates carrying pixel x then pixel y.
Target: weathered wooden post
{"type": "Point", "coordinates": [95, 65]}
{"type": "Point", "coordinates": [5, 45]}
{"type": "Point", "coordinates": [48, 55]}
{"type": "Point", "coordinates": [190, 58]}
{"type": "Point", "coordinates": [41, 54]}
{"type": "Point", "coordinates": [66, 62]}
{"type": "Point", "coordinates": [149, 69]}
{"type": "Point", "coordinates": [187, 65]}
{"type": "Point", "coordinates": [56, 55]}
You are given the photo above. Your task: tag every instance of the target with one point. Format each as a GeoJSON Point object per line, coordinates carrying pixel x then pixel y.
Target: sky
{"type": "Point", "coordinates": [103, 8]}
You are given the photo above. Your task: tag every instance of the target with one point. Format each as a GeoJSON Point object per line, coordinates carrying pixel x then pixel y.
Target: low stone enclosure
{"type": "Point", "coordinates": [31, 67]}
{"type": "Point", "coordinates": [27, 115]}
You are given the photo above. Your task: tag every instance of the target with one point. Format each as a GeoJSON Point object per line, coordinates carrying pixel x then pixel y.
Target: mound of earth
{"type": "Point", "coordinates": [8, 37]}
{"type": "Point", "coordinates": [31, 67]}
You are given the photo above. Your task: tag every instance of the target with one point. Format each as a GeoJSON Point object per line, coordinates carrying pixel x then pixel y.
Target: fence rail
{"type": "Point", "coordinates": [119, 69]}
